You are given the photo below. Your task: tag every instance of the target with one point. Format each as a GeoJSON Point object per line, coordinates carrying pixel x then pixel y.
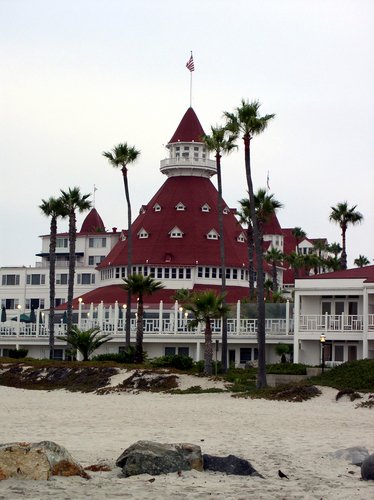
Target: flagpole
{"type": "Point", "coordinates": [191, 88]}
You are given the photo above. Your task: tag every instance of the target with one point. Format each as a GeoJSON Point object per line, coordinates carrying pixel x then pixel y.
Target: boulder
{"type": "Point", "coordinates": [230, 465]}
{"type": "Point", "coordinates": [354, 455]}
{"type": "Point", "coordinates": [147, 457]}
{"type": "Point", "coordinates": [367, 468]}
{"type": "Point", "coordinates": [37, 461]}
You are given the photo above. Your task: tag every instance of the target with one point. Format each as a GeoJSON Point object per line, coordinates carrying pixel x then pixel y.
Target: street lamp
{"type": "Point", "coordinates": [322, 340]}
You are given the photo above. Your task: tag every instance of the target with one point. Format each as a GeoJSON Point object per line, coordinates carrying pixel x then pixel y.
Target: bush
{"type": "Point", "coordinates": [357, 375]}
{"type": "Point", "coordinates": [177, 361]}
{"type": "Point", "coordinates": [199, 367]}
{"type": "Point", "coordinates": [127, 356]}
{"type": "Point", "coordinates": [287, 368]}
{"type": "Point", "coordinates": [18, 353]}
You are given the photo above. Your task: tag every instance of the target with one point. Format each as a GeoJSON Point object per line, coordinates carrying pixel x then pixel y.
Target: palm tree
{"type": "Point", "coordinates": [73, 200]}
{"type": "Point", "coordinates": [274, 256]}
{"type": "Point", "coordinates": [296, 262]}
{"type": "Point", "coordinates": [299, 235]}
{"type": "Point", "coordinates": [206, 306]}
{"type": "Point", "coordinates": [85, 341]}
{"type": "Point", "coordinates": [265, 205]}
{"type": "Point", "coordinates": [361, 261]}
{"type": "Point", "coordinates": [53, 208]}
{"type": "Point", "coordinates": [332, 263]}
{"type": "Point", "coordinates": [335, 249]}
{"type": "Point", "coordinates": [343, 216]}
{"type": "Point", "coordinates": [246, 121]}
{"type": "Point", "coordinates": [140, 285]}
{"type": "Point", "coordinates": [221, 143]}
{"type": "Point", "coordinates": [121, 156]}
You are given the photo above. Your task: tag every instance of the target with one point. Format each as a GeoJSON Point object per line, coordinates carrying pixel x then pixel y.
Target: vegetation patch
{"type": "Point", "coordinates": [352, 395]}
{"type": "Point", "coordinates": [369, 403]}
{"type": "Point", "coordinates": [240, 380]}
{"type": "Point", "coordinates": [176, 361]}
{"type": "Point", "coordinates": [148, 381]}
{"type": "Point", "coordinates": [287, 369]}
{"type": "Point", "coordinates": [72, 378]}
{"type": "Point", "coordinates": [197, 389]}
{"type": "Point", "coordinates": [293, 393]}
{"type": "Point", "coordinates": [357, 375]}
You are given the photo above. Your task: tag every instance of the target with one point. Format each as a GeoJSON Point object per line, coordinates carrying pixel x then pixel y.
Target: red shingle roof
{"type": "Point", "coordinates": [189, 129]}
{"type": "Point", "coordinates": [93, 223]}
{"type": "Point", "coordinates": [159, 248]}
{"type": "Point", "coordinates": [365, 273]}
{"type": "Point", "coordinates": [272, 226]}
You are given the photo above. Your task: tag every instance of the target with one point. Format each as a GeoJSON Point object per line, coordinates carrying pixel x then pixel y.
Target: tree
{"type": "Point", "coordinates": [335, 249]}
{"type": "Point", "coordinates": [299, 235]}
{"type": "Point", "coordinates": [206, 306]}
{"type": "Point", "coordinates": [73, 201]}
{"type": "Point", "coordinates": [343, 215]}
{"type": "Point", "coordinates": [85, 341]}
{"type": "Point", "coordinates": [361, 261]}
{"type": "Point", "coordinates": [274, 256]}
{"type": "Point", "coordinates": [53, 208]}
{"type": "Point", "coordinates": [121, 156]}
{"type": "Point", "coordinates": [245, 120]}
{"type": "Point", "coordinates": [265, 205]}
{"type": "Point", "coordinates": [282, 350]}
{"type": "Point", "coordinates": [140, 285]}
{"type": "Point", "coordinates": [221, 143]}
{"type": "Point", "coordinates": [296, 262]}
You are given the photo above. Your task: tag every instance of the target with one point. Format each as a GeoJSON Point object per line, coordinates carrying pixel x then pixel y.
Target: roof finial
{"type": "Point", "coordinates": [190, 65]}
{"type": "Point", "coordinates": [94, 196]}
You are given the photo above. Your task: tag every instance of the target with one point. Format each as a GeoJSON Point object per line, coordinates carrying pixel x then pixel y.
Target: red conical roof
{"type": "Point", "coordinates": [189, 129]}
{"type": "Point", "coordinates": [272, 226]}
{"type": "Point", "coordinates": [160, 216]}
{"type": "Point", "coordinates": [93, 223]}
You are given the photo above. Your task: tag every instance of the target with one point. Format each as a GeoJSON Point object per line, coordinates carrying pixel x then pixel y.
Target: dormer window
{"type": "Point", "coordinates": [240, 238]}
{"type": "Point", "coordinates": [157, 208]}
{"type": "Point", "coordinates": [180, 207]}
{"type": "Point", "coordinates": [176, 232]}
{"type": "Point", "coordinates": [205, 208]}
{"type": "Point", "coordinates": [143, 233]}
{"type": "Point", "coordinates": [226, 210]}
{"type": "Point", "coordinates": [212, 235]}
{"type": "Point", "coordinates": [143, 209]}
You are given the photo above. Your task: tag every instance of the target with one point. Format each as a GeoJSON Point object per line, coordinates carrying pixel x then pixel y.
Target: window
{"type": "Point", "coordinates": [143, 233]}
{"type": "Point", "coordinates": [157, 208]}
{"type": "Point", "coordinates": [240, 238]}
{"type": "Point", "coordinates": [180, 207]}
{"type": "Point", "coordinates": [61, 279]}
{"type": "Point", "coordinates": [169, 351]}
{"type": "Point", "coordinates": [228, 273]}
{"type": "Point", "coordinates": [176, 233]}
{"type": "Point", "coordinates": [97, 242]}
{"type": "Point", "coordinates": [159, 272]}
{"type": "Point", "coordinates": [212, 235]}
{"type": "Point", "coordinates": [34, 303]}
{"type": "Point", "coordinates": [173, 273]}
{"type": "Point", "coordinates": [188, 273]}
{"type": "Point", "coordinates": [339, 353]}
{"type": "Point", "coordinates": [214, 272]}
{"type": "Point", "coordinates": [245, 354]}
{"type": "Point", "coordinates": [9, 303]}
{"type": "Point", "coordinates": [62, 242]}
{"type": "Point", "coordinates": [10, 279]}
{"type": "Point", "coordinates": [234, 274]}
{"type": "Point", "coordinates": [167, 273]}
{"type": "Point", "coordinates": [59, 301]}
{"type": "Point", "coordinates": [206, 272]}
{"type": "Point", "coordinates": [180, 273]}
{"type": "Point", "coordinates": [205, 208]}
{"type": "Point", "coordinates": [226, 210]}
{"type": "Point", "coordinates": [183, 351]}
{"type": "Point", "coordinates": [35, 279]}
{"type": "Point", "coordinates": [199, 272]}
{"type": "Point", "coordinates": [94, 260]}
{"type": "Point", "coordinates": [85, 279]}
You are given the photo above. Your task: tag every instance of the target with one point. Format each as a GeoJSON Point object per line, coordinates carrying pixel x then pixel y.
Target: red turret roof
{"type": "Point", "coordinates": [93, 223]}
{"type": "Point", "coordinates": [189, 129]}
{"type": "Point", "coordinates": [160, 216]}
{"type": "Point", "coordinates": [272, 226]}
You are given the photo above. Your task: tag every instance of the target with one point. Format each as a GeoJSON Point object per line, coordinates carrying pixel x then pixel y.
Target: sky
{"type": "Point", "coordinates": [80, 76]}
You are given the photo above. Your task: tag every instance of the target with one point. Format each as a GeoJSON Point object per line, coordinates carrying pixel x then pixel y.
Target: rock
{"type": "Point", "coordinates": [38, 461]}
{"type": "Point", "coordinates": [230, 464]}
{"type": "Point", "coordinates": [355, 455]}
{"type": "Point", "coordinates": [367, 468]}
{"type": "Point", "coordinates": [147, 457]}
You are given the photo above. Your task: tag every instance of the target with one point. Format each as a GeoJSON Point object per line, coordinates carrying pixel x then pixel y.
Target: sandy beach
{"type": "Point", "coordinates": [294, 437]}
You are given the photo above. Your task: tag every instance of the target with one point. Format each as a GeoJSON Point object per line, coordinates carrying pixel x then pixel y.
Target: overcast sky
{"type": "Point", "coordinates": [79, 76]}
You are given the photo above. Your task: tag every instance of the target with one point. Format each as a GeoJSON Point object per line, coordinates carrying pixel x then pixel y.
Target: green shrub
{"type": "Point", "coordinates": [127, 356]}
{"type": "Point", "coordinates": [18, 353]}
{"type": "Point", "coordinates": [199, 367]}
{"type": "Point", "coordinates": [287, 368]}
{"type": "Point", "coordinates": [177, 361]}
{"type": "Point", "coordinates": [357, 375]}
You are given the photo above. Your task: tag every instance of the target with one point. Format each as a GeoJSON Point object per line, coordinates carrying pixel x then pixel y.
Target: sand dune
{"type": "Point", "coordinates": [295, 437]}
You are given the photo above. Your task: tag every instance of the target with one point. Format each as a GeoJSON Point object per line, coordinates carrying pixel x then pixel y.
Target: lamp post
{"type": "Point", "coordinates": [79, 312]}
{"type": "Point", "coordinates": [322, 340]}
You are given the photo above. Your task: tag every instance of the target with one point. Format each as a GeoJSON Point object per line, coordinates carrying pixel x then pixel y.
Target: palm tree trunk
{"type": "Point", "coordinates": [52, 286]}
{"type": "Point", "coordinates": [222, 262]}
{"type": "Point", "coordinates": [343, 255]}
{"type": "Point", "coordinates": [129, 256]}
{"type": "Point", "coordinates": [72, 240]}
{"type": "Point", "coordinates": [139, 331]}
{"type": "Point", "coordinates": [251, 259]}
{"type": "Point", "coordinates": [208, 349]}
{"type": "Point", "coordinates": [261, 341]}
{"type": "Point", "coordinates": [275, 277]}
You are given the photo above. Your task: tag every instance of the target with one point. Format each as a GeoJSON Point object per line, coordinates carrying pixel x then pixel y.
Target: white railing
{"type": "Point", "coordinates": [371, 322]}
{"type": "Point", "coordinates": [331, 323]}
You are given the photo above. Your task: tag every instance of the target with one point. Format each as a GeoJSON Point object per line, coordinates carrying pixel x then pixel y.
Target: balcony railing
{"type": "Point", "coordinates": [332, 323]}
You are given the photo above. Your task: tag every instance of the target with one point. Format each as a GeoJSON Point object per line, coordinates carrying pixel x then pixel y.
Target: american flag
{"type": "Point", "coordinates": [190, 64]}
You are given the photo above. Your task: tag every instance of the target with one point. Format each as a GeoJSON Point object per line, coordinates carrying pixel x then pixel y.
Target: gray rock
{"type": "Point", "coordinates": [367, 468]}
{"type": "Point", "coordinates": [355, 455]}
{"type": "Point", "coordinates": [147, 457]}
{"type": "Point", "coordinates": [37, 461]}
{"type": "Point", "coordinates": [230, 465]}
